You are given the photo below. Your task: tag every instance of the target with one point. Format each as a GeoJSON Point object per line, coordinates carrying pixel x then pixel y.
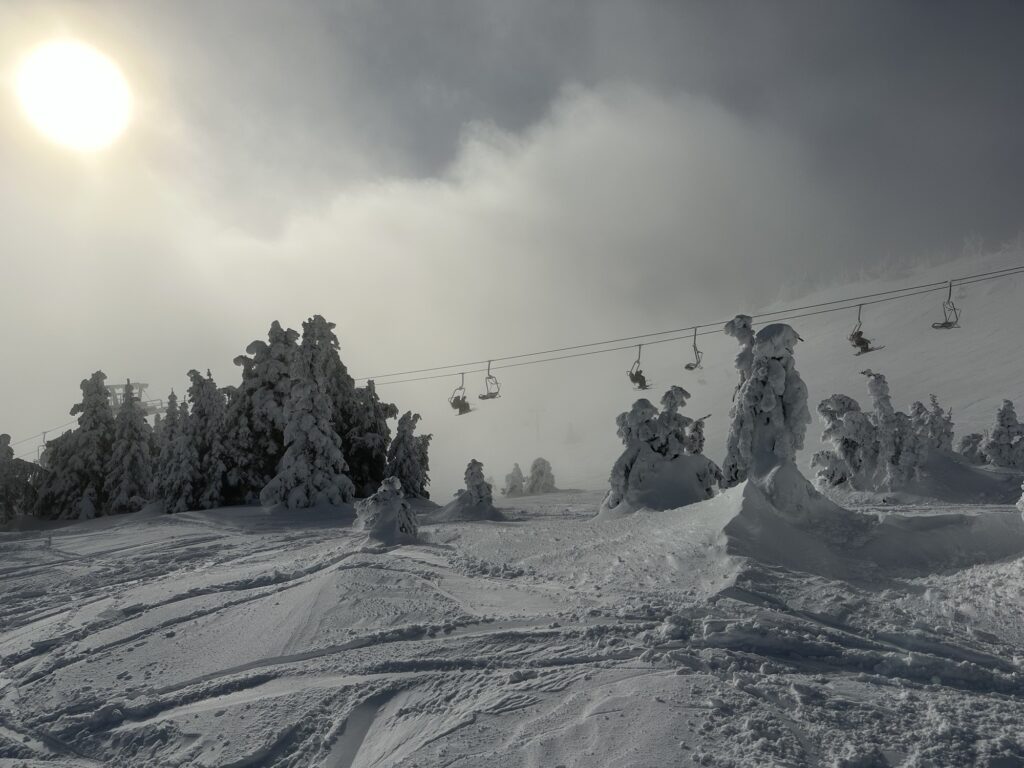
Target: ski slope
{"type": "Point", "coordinates": [749, 630]}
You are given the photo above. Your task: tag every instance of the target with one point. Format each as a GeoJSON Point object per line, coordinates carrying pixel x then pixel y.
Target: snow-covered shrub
{"type": "Point", "coordinates": [475, 501]}
{"type": "Point", "coordinates": [541, 479]}
{"type": "Point", "coordinates": [73, 486]}
{"type": "Point", "coordinates": [656, 470]}
{"type": "Point", "coordinates": [129, 478]}
{"type": "Point", "coordinates": [770, 415]}
{"type": "Point", "coordinates": [405, 457]}
{"type": "Point", "coordinates": [970, 448]}
{"type": "Point", "coordinates": [514, 482]}
{"type": "Point", "coordinates": [386, 514]}
{"type": "Point", "coordinates": [1005, 445]}
{"type": "Point", "coordinates": [312, 470]}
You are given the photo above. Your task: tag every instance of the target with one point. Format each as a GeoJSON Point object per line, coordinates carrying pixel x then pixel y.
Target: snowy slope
{"type": "Point", "coordinates": [748, 630]}
{"type": "Point", "coordinates": [726, 633]}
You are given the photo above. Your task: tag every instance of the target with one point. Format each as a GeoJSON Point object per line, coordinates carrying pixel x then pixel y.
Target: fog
{"type": "Point", "coordinates": [458, 182]}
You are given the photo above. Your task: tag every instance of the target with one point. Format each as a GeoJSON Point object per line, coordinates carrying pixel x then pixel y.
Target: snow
{"type": "Point", "coordinates": [770, 625]}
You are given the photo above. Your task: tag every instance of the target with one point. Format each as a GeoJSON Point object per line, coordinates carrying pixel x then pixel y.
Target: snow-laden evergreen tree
{"type": "Point", "coordinates": [851, 432]}
{"type": "Point", "coordinates": [541, 479]}
{"type": "Point", "coordinates": [176, 463]}
{"type": "Point", "coordinates": [770, 414]}
{"type": "Point", "coordinates": [312, 470]}
{"type": "Point", "coordinates": [17, 483]}
{"type": "Point", "coordinates": [129, 469]}
{"type": "Point", "coordinates": [657, 470]}
{"type": "Point", "coordinates": [940, 432]}
{"type": "Point", "coordinates": [177, 477]}
{"type": "Point", "coordinates": [901, 449]}
{"type": "Point", "coordinates": [320, 344]}
{"type": "Point", "coordinates": [259, 417]}
{"type": "Point", "coordinates": [404, 458]}
{"type": "Point", "coordinates": [1020, 504]}
{"type": "Point", "coordinates": [695, 438]}
{"type": "Point", "coordinates": [475, 501]}
{"type": "Point", "coordinates": [423, 451]}
{"type": "Point", "coordinates": [368, 438]}
{"type": "Point", "coordinates": [741, 328]}
{"type": "Point", "coordinates": [970, 448]}
{"type": "Point", "coordinates": [205, 430]}
{"type": "Point", "coordinates": [1005, 445]}
{"type": "Point", "coordinates": [514, 483]}
{"type": "Point", "coordinates": [386, 515]}
{"type": "Point", "coordinates": [245, 455]}
{"type": "Point", "coordinates": [73, 486]}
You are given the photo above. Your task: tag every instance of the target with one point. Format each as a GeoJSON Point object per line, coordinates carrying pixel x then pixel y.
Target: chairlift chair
{"type": "Point", "coordinates": [698, 356]}
{"type": "Point", "coordinates": [457, 400]}
{"type": "Point", "coordinates": [950, 312]}
{"type": "Point", "coordinates": [635, 374]}
{"type": "Point", "coordinates": [492, 387]}
{"type": "Point", "coordinates": [857, 338]}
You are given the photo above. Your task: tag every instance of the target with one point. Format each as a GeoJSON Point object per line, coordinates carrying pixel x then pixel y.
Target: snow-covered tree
{"type": "Point", "coordinates": [368, 438]}
{"type": "Point", "coordinates": [129, 469]}
{"type": "Point", "coordinates": [254, 420]}
{"type": "Point", "coordinates": [312, 470]}
{"type": "Point", "coordinates": [178, 461]}
{"type": "Point", "coordinates": [901, 448]}
{"type": "Point", "coordinates": [73, 486]}
{"type": "Point", "coordinates": [970, 448]}
{"type": "Point", "coordinates": [695, 438]}
{"type": "Point", "coordinates": [475, 501]}
{"type": "Point", "coordinates": [541, 479]}
{"type": "Point", "coordinates": [1005, 445]}
{"type": "Point", "coordinates": [514, 482]}
{"type": "Point", "coordinates": [386, 514]}
{"type": "Point", "coordinates": [770, 414]}
{"type": "Point", "coordinates": [423, 451]}
{"type": "Point", "coordinates": [17, 483]}
{"type": "Point", "coordinates": [736, 465]}
{"type": "Point", "coordinates": [657, 470]}
{"type": "Point", "coordinates": [1020, 504]}
{"type": "Point", "coordinates": [940, 430]}
{"type": "Point", "coordinates": [741, 328]}
{"type": "Point", "coordinates": [852, 435]}
{"type": "Point", "coordinates": [205, 430]}
{"type": "Point", "coordinates": [404, 458]}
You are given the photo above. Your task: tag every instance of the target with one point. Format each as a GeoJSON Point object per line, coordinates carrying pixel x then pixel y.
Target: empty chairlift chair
{"type": "Point", "coordinates": [950, 312]}
{"type": "Point", "coordinates": [698, 356]}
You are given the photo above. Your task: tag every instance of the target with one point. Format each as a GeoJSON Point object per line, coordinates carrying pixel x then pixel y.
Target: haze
{"type": "Point", "coordinates": [455, 181]}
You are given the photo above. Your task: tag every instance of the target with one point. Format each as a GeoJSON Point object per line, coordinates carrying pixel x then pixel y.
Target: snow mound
{"type": "Point", "coordinates": [661, 485]}
{"type": "Point", "coordinates": [465, 507]}
{"type": "Point", "coordinates": [782, 520]}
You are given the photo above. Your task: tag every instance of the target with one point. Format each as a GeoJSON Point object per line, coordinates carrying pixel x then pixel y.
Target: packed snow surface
{"type": "Point", "coordinates": [760, 628]}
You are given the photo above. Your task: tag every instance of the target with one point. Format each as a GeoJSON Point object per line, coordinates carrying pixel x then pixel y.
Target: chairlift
{"type": "Point", "coordinates": [698, 356]}
{"type": "Point", "coordinates": [492, 387]}
{"type": "Point", "coordinates": [635, 374]}
{"type": "Point", "coordinates": [857, 338]}
{"type": "Point", "coordinates": [950, 312]}
{"type": "Point", "coordinates": [458, 400]}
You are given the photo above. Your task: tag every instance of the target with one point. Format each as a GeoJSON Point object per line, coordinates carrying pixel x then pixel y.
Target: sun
{"type": "Point", "coordinates": [74, 95]}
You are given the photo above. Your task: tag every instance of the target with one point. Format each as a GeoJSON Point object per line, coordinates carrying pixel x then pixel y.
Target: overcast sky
{"type": "Point", "coordinates": [452, 180]}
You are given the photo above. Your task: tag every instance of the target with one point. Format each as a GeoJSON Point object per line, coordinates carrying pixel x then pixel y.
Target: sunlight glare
{"type": "Point", "coordinates": [74, 95]}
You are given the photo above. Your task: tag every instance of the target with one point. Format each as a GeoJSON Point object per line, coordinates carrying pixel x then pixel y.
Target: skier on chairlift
{"type": "Point", "coordinates": [862, 343]}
